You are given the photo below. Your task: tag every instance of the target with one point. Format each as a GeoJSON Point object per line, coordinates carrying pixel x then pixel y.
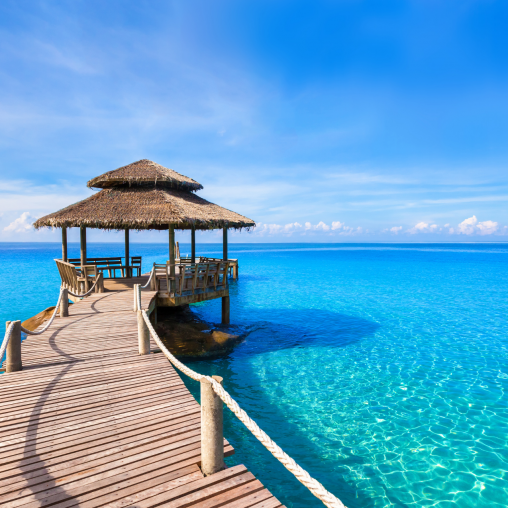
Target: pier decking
{"type": "Point", "coordinates": [88, 422]}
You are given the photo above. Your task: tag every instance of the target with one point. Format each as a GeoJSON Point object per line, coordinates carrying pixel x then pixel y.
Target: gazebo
{"type": "Point", "coordinates": [143, 196]}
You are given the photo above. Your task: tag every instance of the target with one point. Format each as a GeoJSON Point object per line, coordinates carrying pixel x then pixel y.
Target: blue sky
{"type": "Point", "coordinates": [321, 120]}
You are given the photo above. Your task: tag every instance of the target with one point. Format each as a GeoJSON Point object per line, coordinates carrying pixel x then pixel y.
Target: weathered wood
{"type": "Point", "coordinates": [127, 272]}
{"type": "Point", "coordinates": [89, 422]}
{"type": "Point", "coordinates": [225, 310]}
{"type": "Point", "coordinates": [64, 303]}
{"type": "Point", "coordinates": [212, 437]}
{"type": "Point", "coordinates": [193, 244]}
{"type": "Point", "coordinates": [82, 244]}
{"type": "Point", "coordinates": [64, 244]}
{"type": "Point", "coordinates": [171, 229]}
{"type": "Point", "coordinates": [225, 243]}
{"type": "Point", "coordinates": [13, 361]}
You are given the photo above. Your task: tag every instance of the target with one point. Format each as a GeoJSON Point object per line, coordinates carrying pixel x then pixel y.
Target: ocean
{"type": "Point", "coordinates": [381, 369]}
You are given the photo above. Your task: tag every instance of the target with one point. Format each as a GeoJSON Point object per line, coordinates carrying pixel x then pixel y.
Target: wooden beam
{"type": "Point", "coordinates": [82, 240]}
{"type": "Point", "coordinates": [127, 254]}
{"type": "Point", "coordinates": [225, 243]}
{"type": "Point", "coordinates": [64, 245]}
{"type": "Point", "coordinates": [172, 253]}
{"type": "Point", "coordinates": [193, 244]}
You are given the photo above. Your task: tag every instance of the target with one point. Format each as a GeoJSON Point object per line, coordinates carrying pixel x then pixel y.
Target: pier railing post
{"type": "Point", "coordinates": [64, 303]}
{"type": "Point", "coordinates": [13, 354]}
{"type": "Point", "coordinates": [153, 282]}
{"type": "Point", "coordinates": [143, 335]}
{"type": "Point", "coordinates": [135, 293]}
{"type": "Point", "coordinates": [212, 437]}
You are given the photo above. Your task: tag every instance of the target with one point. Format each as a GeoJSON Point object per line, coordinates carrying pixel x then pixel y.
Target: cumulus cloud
{"type": "Point", "coordinates": [423, 227]}
{"type": "Point", "coordinates": [337, 225]}
{"type": "Point", "coordinates": [322, 226]}
{"type": "Point", "coordinates": [471, 226]}
{"type": "Point", "coordinates": [22, 224]}
{"type": "Point", "coordinates": [396, 229]}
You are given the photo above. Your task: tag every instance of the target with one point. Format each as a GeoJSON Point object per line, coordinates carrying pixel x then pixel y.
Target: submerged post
{"type": "Point", "coordinates": [13, 354]}
{"type": "Point", "coordinates": [225, 243]}
{"type": "Point", "coordinates": [212, 438]}
{"type": "Point", "coordinates": [225, 309]}
{"type": "Point", "coordinates": [171, 257]}
{"type": "Point", "coordinates": [64, 303]}
{"type": "Point", "coordinates": [193, 244]}
{"type": "Point", "coordinates": [127, 263]}
{"type": "Point", "coordinates": [64, 245]}
{"type": "Point", "coordinates": [143, 335]}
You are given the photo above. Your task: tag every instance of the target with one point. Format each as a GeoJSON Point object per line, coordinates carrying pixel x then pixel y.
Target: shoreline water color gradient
{"type": "Point", "coordinates": [380, 368]}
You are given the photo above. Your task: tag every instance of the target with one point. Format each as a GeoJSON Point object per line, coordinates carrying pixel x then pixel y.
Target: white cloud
{"type": "Point", "coordinates": [396, 229]}
{"type": "Point", "coordinates": [321, 226]}
{"type": "Point", "coordinates": [22, 224]}
{"type": "Point", "coordinates": [337, 225]}
{"type": "Point", "coordinates": [423, 227]}
{"type": "Point", "coordinates": [471, 226]}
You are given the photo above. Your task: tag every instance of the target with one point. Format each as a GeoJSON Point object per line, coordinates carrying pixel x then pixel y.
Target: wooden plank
{"type": "Point", "coordinates": [89, 422]}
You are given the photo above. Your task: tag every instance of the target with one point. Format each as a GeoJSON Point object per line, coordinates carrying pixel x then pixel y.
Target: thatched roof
{"type": "Point", "coordinates": [142, 207]}
{"type": "Point", "coordinates": [144, 172]}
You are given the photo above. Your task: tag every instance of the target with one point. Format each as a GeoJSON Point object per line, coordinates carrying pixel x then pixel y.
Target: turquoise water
{"type": "Point", "coordinates": [382, 369]}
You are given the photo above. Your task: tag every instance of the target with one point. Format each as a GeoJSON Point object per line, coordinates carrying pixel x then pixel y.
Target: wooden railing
{"type": "Point", "coordinates": [191, 278]}
{"type": "Point", "coordinates": [80, 279]}
{"type": "Point", "coordinates": [232, 263]}
{"type": "Point", "coordinates": [112, 264]}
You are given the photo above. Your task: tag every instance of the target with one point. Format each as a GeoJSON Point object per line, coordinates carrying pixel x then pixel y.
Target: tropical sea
{"type": "Point", "coordinates": [381, 369]}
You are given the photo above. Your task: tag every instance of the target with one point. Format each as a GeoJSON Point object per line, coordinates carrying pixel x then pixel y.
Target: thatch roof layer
{"type": "Point", "coordinates": [144, 208]}
{"type": "Point", "coordinates": [144, 172]}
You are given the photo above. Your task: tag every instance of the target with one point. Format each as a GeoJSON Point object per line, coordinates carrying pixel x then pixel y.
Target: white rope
{"type": "Point", "coordinates": [150, 278]}
{"type": "Point", "coordinates": [7, 337]}
{"type": "Point", "coordinates": [303, 476]}
{"type": "Point", "coordinates": [87, 293]}
{"type": "Point", "coordinates": [48, 324]}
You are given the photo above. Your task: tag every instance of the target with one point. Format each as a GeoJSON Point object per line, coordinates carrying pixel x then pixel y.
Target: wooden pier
{"type": "Point", "coordinates": [89, 422]}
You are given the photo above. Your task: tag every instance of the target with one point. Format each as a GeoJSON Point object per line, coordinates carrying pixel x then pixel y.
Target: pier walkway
{"type": "Point", "coordinates": [89, 422]}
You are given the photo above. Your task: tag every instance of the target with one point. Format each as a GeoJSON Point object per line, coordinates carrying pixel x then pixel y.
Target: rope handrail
{"type": "Point", "coordinates": [289, 463]}
{"type": "Point", "coordinates": [7, 337]}
{"type": "Point", "coordinates": [149, 278]}
{"type": "Point", "coordinates": [88, 292]}
{"type": "Point", "coordinates": [48, 324]}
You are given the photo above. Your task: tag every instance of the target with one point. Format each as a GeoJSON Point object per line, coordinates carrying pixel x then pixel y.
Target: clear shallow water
{"type": "Point", "coordinates": [382, 369]}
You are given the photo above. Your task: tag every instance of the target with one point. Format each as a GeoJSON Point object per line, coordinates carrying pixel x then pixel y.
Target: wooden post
{"type": "Point", "coordinates": [127, 255]}
{"type": "Point", "coordinates": [13, 354]}
{"type": "Point", "coordinates": [225, 243]}
{"type": "Point", "coordinates": [193, 244]}
{"type": "Point", "coordinates": [153, 282]}
{"type": "Point", "coordinates": [64, 245]}
{"type": "Point", "coordinates": [143, 335]}
{"type": "Point", "coordinates": [82, 240]}
{"type": "Point", "coordinates": [64, 303]}
{"type": "Point", "coordinates": [225, 310]}
{"type": "Point", "coordinates": [212, 438]}
{"type": "Point", "coordinates": [171, 258]}
{"type": "Point", "coordinates": [225, 299]}
{"type": "Point", "coordinates": [135, 292]}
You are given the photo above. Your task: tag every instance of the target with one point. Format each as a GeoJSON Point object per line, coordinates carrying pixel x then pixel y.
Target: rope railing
{"type": "Point", "coordinates": [289, 463]}
{"type": "Point", "coordinates": [149, 278]}
{"type": "Point", "coordinates": [48, 324]}
{"type": "Point", "coordinates": [88, 292]}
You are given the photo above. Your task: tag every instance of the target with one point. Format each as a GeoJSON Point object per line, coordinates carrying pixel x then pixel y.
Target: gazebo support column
{"type": "Point", "coordinates": [82, 241]}
{"type": "Point", "coordinates": [127, 254]}
{"type": "Point", "coordinates": [193, 244]}
{"type": "Point", "coordinates": [64, 245]}
{"type": "Point", "coordinates": [171, 257]}
{"type": "Point", "coordinates": [225, 299]}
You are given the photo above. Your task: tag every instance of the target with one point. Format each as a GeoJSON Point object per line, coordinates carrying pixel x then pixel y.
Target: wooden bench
{"type": "Point", "coordinates": [112, 264]}
{"type": "Point", "coordinates": [80, 280]}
